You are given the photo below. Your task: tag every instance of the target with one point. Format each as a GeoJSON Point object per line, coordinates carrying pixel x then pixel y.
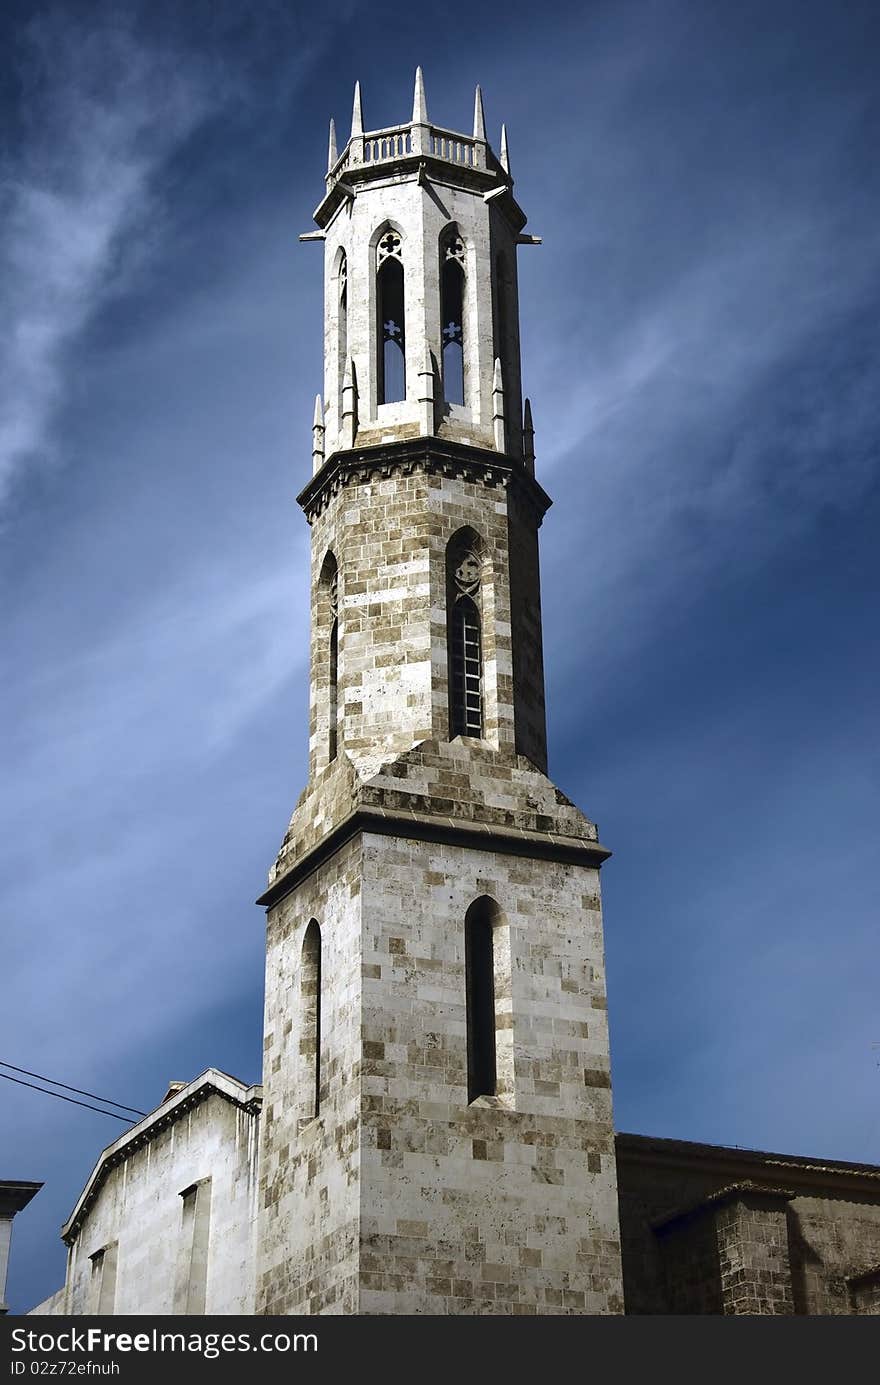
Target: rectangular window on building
{"type": "Point", "coordinates": [191, 1280]}
{"type": "Point", "coordinates": [104, 1280]}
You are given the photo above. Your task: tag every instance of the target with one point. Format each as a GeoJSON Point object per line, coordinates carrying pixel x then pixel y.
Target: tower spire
{"type": "Point", "coordinates": [420, 105]}
{"type": "Point", "coordinates": [479, 116]}
{"type": "Point", "coordinates": [505, 156]}
{"type": "Point", "coordinates": [357, 120]}
{"type": "Point", "coordinates": [331, 150]}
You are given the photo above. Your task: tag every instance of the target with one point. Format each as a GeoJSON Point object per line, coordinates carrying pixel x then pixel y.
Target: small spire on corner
{"type": "Point", "coordinates": [479, 116]}
{"type": "Point", "coordinates": [349, 405]}
{"type": "Point", "coordinates": [331, 151]}
{"type": "Point", "coordinates": [528, 435]}
{"type": "Point", "coordinates": [420, 105]}
{"type": "Point", "coordinates": [505, 156]}
{"type": "Point", "coordinates": [318, 435]}
{"type": "Point", "coordinates": [427, 420]}
{"type": "Point", "coordinates": [357, 120]}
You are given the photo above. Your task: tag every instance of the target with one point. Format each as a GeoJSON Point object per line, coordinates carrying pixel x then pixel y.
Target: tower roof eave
{"type": "Point", "coordinates": [345, 177]}
{"type": "Point", "coordinates": [428, 452]}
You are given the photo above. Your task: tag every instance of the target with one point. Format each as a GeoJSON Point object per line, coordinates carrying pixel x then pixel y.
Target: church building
{"type": "Point", "coordinates": [433, 1133]}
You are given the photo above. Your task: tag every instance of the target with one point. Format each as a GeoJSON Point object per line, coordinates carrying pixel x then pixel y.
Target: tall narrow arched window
{"type": "Point", "coordinates": [482, 1077]}
{"type": "Point", "coordinates": [390, 334]}
{"type": "Point", "coordinates": [452, 255]}
{"type": "Point", "coordinates": [333, 738]}
{"type": "Point", "coordinates": [465, 639]}
{"type": "Point", "coordinates": [328, 645]}
{"type": "Point", "coordinates": [310, 1021]}
{"type": "Point", "coordinates": [342, 324]}
{"type": "Point", "coordinates": [489, 997]}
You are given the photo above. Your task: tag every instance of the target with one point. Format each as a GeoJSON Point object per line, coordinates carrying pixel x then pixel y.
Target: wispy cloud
{"type": "Point", "coordinates": [102, 112]}
{"type": "Point", "coordinates": [158, 705]}
{"type": "Point", "coordinates": [713, 390]}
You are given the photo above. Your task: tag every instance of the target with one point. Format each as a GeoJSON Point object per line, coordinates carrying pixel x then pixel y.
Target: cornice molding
{"type": "Point", "coordinates": [431, 455]}
{"type": "Point", "coordinates": [509, 841]}
{"type": "Point", "coordinates": [735, 1165]}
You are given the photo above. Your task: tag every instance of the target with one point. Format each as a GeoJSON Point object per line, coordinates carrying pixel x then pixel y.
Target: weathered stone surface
{"type": "Point", "coordinates": [711, 1230]}
{"type": "Point", "coordinates": [131, 1211]}
{"type": "Point", "coordinates": [400, 1197]}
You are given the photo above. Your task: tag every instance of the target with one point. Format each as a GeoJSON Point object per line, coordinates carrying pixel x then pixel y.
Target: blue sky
{"type": "Point", "coordinates": [701, 340]}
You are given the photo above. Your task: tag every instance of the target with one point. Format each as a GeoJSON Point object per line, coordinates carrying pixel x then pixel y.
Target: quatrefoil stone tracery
{"type": "Point", "coordinates": [467, 572]}
{"type": "Point", "coordinates": [388, 247]}
{"type": "Point", "coordinates": [455, 249]}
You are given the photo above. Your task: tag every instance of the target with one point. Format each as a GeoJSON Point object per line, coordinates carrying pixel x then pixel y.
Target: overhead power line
{"type": "Point", "coordinates": [106, 1100]}
{"type": "Point", "coordinates": [72, 1099]}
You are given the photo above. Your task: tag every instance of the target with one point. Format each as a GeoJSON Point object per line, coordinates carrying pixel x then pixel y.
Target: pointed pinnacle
{"type": "Point", "coordinates": [497, 382]}
{"type": "Point", "coordinates": [357, 120]}
{"type": "Point", "coordinates": [479, 117]}
{"type": "Point", "coordinates": [505, 157]}
{"type": "Point", "coordinates": [420, 105]}
{"type": "Point", "coordinates": [331, 150]}
{"type": "Point", "coordinates": [319, 413]}
{"type": "Point", "coordinates": [528, 434]}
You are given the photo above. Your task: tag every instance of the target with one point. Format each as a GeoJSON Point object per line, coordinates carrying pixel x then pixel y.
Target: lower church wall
{"type": "Point", "coordinates": [134, 1251]}
{"type": "Point", "coordinates": [706, 1229]}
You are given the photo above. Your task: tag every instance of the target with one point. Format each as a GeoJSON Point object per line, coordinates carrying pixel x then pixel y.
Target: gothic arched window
{"type": "Point", "coordinates": [310, 1020]}
{"type": "Point", "coordinates": [479, 959]}
{"type": "Point", "coordinates": [390, 335]}
{"type": "Point", "coordinates": [328, 616]}
{"type": "Point", "coordinates": [452, 257]}
{"type": "Point", "coordinates": [464, 629]}
{"type": "Point", "coordinates": [333, 738]}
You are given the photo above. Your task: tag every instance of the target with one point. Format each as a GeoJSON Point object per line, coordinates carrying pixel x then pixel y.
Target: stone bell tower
{"type": "Point", "coordinates": [438, 1134]}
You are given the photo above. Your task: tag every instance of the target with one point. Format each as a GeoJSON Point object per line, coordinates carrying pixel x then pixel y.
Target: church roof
{"type": "Point", "coordinates": [174, 1105]}
{"type": "Point", "coordinates": [744, 1165]}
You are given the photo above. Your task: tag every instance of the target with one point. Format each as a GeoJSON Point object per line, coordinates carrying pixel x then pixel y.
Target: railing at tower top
{"type": "Point", "coordinates": [400, 141]}
{"type": "Point", "coordinates": [458, 149]}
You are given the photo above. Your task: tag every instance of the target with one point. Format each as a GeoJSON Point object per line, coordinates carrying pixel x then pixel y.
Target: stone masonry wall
{"type": "Point", "coordinates": [310, 1169]}
{"type": "Point", "coordinates": [389, 539]}
{"type": "Point", "coordinates": [828, 1233]}
{"type": "Point", "coordinates": [480, 1208]}
{"type": "Point", "coordinates": [400, 1197]}
{"type": "Point", "coordinates": [753, 1256]}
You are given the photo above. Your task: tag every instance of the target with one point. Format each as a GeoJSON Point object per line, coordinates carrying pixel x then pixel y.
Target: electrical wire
{"type": "Point", "coordinates": [106, 1100]}
{"type": "Point", "coordinates": [73, 1101]}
